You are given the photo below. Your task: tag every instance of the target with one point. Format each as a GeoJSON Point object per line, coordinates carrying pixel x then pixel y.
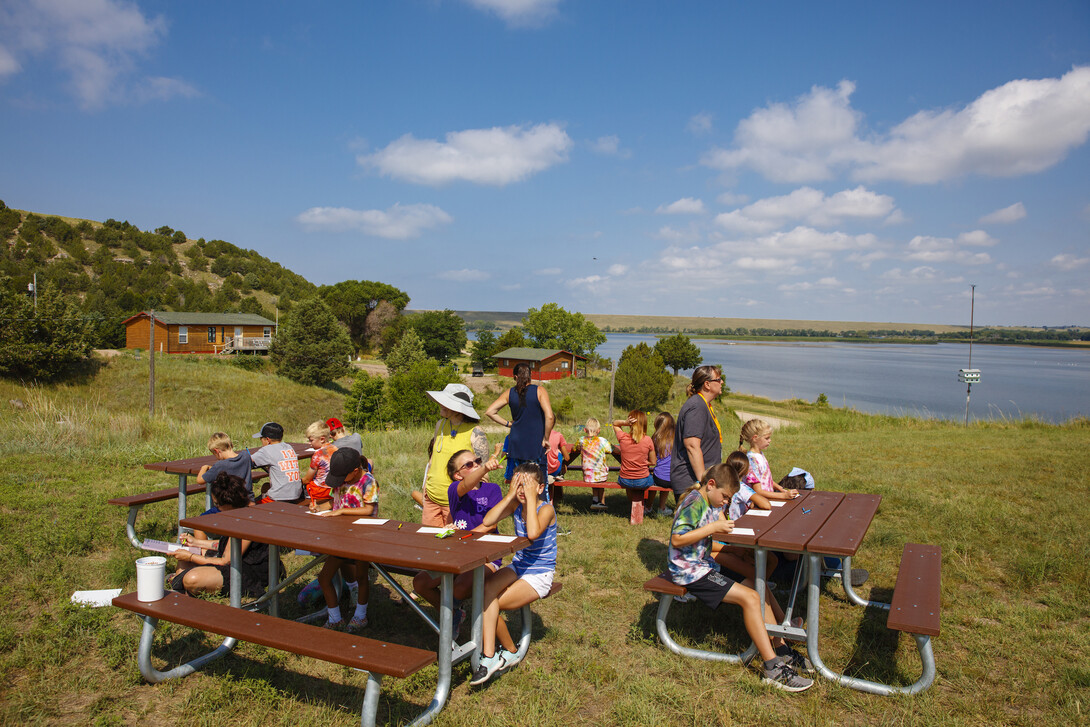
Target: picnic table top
{"type": "Point", "coordinates": [818, 521]}
{"type": "Point", "coordinates": [192, 465]}
{"type": "Point", "coordinates": [292, 526]}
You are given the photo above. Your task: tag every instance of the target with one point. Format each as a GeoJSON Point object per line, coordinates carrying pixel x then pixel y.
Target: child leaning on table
{"type": "Point", "coordinates": [594, 449]}
{"type": "Point", "coordinates": [321, 496]}
{"type": "Point", "coordinates": [228, 461]}
{"type": "Point", "coordinates": [697, 519]}
{"type": "Point", "coordinates": [349, 472]}
{"type": "Point", "coordinates": [530, 575]}
{"type": "Point", "coordinates": [470, 497]}
{"type": "Point", "coordinates": [758, 435]}
{"type": "Point", "coordinates": [733, 557]}
{"type": "Point", "coordinates": [210, 572]}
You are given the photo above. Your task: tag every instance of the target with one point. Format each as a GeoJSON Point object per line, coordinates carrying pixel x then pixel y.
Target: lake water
{"type": "Point", "coordinates": [902, 379]}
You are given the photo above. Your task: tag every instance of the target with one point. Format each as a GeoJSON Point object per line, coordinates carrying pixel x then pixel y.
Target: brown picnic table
{"type": "Point", "coordinates": [815, 525]}
{"type": "Point", "coordinates": [183, 468]}
{"type": "Point", "coordinates": [378, 541]}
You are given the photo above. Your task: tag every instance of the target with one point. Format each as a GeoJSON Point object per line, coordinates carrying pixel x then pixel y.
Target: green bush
{"type": "Point", "coordinates": [405, 401]}
{"type": "Point", "coordinates": [642, 379]}
{"type": "Point", "coordinates": [47, 341]}
{"type": "Point", "coordinates": [312, 346]}
{"type": "Point", "coordinates": [364, 401]}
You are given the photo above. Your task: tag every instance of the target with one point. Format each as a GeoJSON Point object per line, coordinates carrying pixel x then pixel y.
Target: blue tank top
{"type": "Point", "coordinates": [527, 426]}
{"type": "Point", "coordinates": [540, 555]}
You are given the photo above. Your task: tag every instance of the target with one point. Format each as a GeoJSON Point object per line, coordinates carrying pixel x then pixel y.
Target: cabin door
{"type": "Point", "coordinates": [238, 336]}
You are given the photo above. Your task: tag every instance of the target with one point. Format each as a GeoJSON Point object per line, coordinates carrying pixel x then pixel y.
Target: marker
{"type": "Point", "coordinates": [399, 525]}
{"type": "Point", "coordinates": [467, 535]}
{"type": "Point", "coordinates": [805, 511]}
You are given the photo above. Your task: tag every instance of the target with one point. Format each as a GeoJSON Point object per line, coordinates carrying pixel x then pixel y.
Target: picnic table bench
{"type": "Point", "coordinates": [636, 515]}
{"type": "Point", "coordinates": [377, 658]}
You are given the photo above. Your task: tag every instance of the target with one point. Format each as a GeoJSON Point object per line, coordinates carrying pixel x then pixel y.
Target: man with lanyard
{"type": "Point", "coordinates": [698, 438]}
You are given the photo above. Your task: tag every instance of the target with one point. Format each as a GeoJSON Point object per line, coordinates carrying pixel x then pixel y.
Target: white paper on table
{"type": "Point", "coordinates": [371, 521]}
{"type": "Point", "coordinates": [430, 531]}
{"type": "Point", "coordinates": [759, 513]}
{"type": "Point", "coordinates": [95, 599]}
{"type": "Point", "coordinates": [777, 503]}
{"type": "Point", "coordinates": [496, 538]}
{"type": "Point", "coordinates": [742, 531]}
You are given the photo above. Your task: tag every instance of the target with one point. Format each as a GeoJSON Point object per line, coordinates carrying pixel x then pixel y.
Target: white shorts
{"type": "Point", "coordinates": [540, 582]}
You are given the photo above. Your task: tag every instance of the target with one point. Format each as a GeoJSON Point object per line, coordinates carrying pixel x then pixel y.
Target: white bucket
{"type": "Point", "coordinates": [150, 574]}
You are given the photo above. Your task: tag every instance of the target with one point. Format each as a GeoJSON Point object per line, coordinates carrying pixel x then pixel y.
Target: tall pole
{"type": "Point", "coordinates": [35, 291]}
{"type": "Point", "coordinates": [612, 381]}
{"type": "Point", "coordinates": [969, 386]}
{"type": "Point", "coordinates": [151, 365]}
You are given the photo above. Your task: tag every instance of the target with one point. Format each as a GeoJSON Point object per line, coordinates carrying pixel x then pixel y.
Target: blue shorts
{"type": "Point", "coordinates": [641, 484]}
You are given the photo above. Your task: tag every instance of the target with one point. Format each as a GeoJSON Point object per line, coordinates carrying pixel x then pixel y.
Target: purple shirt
{"type": "Point", "coordinates": [468, 511]}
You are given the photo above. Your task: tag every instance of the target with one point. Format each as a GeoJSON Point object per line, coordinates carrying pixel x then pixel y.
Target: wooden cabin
{"type": "Point", "coordinates": [545, 364]}
{"type": "Point", "coordinates": [200, 332]}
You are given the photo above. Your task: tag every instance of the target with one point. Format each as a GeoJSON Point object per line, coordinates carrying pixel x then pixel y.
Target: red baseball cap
{"type": "Point", "coordinates": [334, 423]}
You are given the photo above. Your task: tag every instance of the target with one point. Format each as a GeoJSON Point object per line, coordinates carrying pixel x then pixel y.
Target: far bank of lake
{"type": "Point", "coordinates": [1052, 384]}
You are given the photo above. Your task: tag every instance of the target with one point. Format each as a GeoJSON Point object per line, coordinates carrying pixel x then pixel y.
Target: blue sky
{"type": "Point", "coordinates": [840, 161]}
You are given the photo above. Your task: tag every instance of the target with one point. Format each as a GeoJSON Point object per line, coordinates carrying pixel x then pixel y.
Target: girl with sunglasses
{"type": "Point", "coordinates": [470, 497]}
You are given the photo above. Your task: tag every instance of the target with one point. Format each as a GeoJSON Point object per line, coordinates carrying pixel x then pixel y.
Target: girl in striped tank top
{"type": "Point", "coordinates": [530, 575]}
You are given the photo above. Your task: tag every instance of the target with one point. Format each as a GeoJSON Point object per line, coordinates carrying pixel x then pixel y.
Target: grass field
{"type": "Point", "coordinates": [1007, 501]}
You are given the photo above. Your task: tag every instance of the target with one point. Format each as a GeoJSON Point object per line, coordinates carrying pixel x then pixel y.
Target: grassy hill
{"type": "Point", "coordinates": [1014, 616]}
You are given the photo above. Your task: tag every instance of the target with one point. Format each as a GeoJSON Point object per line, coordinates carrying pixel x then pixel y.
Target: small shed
{"type": "Point", "coordinates": [545, 364]}
{"type": "Point", "coordinates": [200, 332]}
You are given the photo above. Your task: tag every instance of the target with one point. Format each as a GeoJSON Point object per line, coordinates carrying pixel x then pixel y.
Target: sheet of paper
{"type": "Point", "coordinates": [371, 521]}
{"type": "Point", "coordinates": [742, 531]}
{"type": "Point", "coordinates": [777, 503]}
{"type": "Point", "coordinates": [96, 599]}
{"type": "Point", "coordinates": [161, 546]}
{"type": "Point", "coordinates": [759, 513]}
{"type": "Point", "coordinates": [496, 538]}
{"type": "Point", "coordinates": [430, 531]}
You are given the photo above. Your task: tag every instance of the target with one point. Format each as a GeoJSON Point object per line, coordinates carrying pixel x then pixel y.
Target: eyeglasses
{"type": "Point", "coordinates": [715, 381]}
{"type": "Point", "coordinates": [471, 464]}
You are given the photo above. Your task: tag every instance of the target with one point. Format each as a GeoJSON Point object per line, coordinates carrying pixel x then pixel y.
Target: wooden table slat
{"type": "Point", "coordinates": [798, 526]}
{"type": "Point", "coordinates": [843, 532]}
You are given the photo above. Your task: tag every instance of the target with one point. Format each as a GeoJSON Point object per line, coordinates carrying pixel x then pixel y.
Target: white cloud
{"type": "Point", "coordinates": [1005, 216]}
{"type": "Point", "coordinates": [1021, 127]}
{"type": "Point", "coordinates": [550, 271]}
{"type": "Point", "coordinates": [519, 13]}
{"type": "Point", "coordinates": [1067, 261]}
{"type": "Point", "coordinates": [496, 156]}
{"type": "Point", "coordinates": [978, 238]}
{"type": "Point", "coordinates": [700, 123]}
{"type": "Point", "coordinates": [97, 43]}
{"type": "Point", "coordinates": [400, 222]}
{"type": "Point", "coordinates": [684, 206]}
{"type": "Point", "coordinates": [617, 269]}
{"type": "Point", "coordinates": [609, 146]}
{"type": "Point", "coordinates": [464, 275]}
{"type": "Point", "coordinates": [810, 206]}
{"type": "Point", "coordinates": [732, 198]}
{"type": "Point", "coordinates": [923, 248]}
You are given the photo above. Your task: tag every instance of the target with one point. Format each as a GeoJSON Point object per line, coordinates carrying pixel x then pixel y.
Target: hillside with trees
{"type": "Point", "coordinates": [113, 270]}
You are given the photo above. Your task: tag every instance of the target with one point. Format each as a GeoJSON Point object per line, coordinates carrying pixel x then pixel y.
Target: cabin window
{"type": "Point", "coordinates": [183, 334]}
{"type": "Point", "coordinates": [268, 332]}
{"type": "Point", "coordinates": [563, 364]}
{"type": "Point", "coordinates": [211, 334]}
{"type": "Point", "coordinates": [506, 362]}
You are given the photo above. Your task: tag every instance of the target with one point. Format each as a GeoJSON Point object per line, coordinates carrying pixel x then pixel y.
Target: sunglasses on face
{"type": "Point", "coordinates": [470, 464]}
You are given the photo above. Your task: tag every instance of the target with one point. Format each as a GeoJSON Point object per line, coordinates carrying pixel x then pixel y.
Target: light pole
{"type": "Point", "coordinates": [970, 375]}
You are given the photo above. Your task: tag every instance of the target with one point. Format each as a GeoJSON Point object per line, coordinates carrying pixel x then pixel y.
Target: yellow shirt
{"type": "Point", "coordinates": [446, 444]}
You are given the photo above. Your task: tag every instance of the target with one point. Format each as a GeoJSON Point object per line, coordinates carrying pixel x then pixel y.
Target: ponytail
{"type": "Point", "coordinates": [522, 381]}
{"type": "Point", "coordinates": [701, 374]}
{"type": "Point", "coordinates": [751, 429]}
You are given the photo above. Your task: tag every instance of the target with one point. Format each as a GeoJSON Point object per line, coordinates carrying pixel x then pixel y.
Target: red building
{"type": "Point", "coordinates": [545, 364]}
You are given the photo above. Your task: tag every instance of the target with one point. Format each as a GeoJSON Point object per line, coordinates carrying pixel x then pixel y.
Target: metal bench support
{"type": "Point", "coordinates": [665, 601]}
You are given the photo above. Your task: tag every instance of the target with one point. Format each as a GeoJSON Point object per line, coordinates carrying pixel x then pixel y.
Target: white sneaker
{"type": "Point", "coordinates": [488, 667]}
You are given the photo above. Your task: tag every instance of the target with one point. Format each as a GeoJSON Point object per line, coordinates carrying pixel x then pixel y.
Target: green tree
{"type": "Point", "coordinates": [679, 352]}
{"type": "Point", "coordinates": [408, 352]}
{"type": "Point", "coordinates": [642, 379]}
{"type": "Point", "coordinates": [483, 348]}
{"type": "Point", "coordinates": [364, 400]}
{"type": "Point", "coordinates": [554, 327]}
{"type": "Point", "coordinates": [311, 346]}
{"type": "Point", "coordinates": [512, 338]}
{"type": "Point", "coordinates": [405, 401]}
{"type": "Point", "coordinates": [443, 333]}
{"type": "Point", "coordinates": [352, 301]}
{"type": "Point", "coordinates": [48, 342]}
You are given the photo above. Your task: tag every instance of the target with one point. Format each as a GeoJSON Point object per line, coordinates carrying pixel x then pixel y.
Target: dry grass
{"type": "Point", "coordinates": [1007, 501]}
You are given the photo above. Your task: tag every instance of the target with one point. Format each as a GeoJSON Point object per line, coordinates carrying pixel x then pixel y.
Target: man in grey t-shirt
{"type": "Point", "coordinates": [282, 464]}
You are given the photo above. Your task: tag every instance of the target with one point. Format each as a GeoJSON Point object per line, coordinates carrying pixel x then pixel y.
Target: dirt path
{"type": "Point", "coordinates": [774, 422]}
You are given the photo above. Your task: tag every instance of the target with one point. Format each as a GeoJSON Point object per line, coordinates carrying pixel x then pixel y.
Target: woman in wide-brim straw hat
{"type": "Point", "coordinates": [456, 430]}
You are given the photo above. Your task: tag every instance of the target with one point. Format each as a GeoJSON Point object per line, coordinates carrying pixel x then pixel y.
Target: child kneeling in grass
{"type": "Point", "coordinates": [698, 518]}
{"type": "Point", "coordinates": [530, 575]}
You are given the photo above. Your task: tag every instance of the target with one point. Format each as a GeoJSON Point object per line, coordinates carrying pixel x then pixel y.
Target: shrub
{"type": "Point", "coordinates": [311, 346]}
{"type": "Point", "coordinates": [364, 401]}
{"type": "Point", "coordinates": [642, 379]}
{"type": "Point", "coordinates": [405, 401]}
{"type": "Point", "coordinates": [49, 341]}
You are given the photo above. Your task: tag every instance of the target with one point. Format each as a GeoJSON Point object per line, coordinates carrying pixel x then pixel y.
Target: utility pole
{"type": "Point", "coordinates": [970, 375]}
{"type": "Point", "coordinates": [151, 364]}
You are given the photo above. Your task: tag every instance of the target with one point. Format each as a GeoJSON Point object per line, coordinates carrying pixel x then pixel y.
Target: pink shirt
{"type": "Point", "coordinates": [759, 476]}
